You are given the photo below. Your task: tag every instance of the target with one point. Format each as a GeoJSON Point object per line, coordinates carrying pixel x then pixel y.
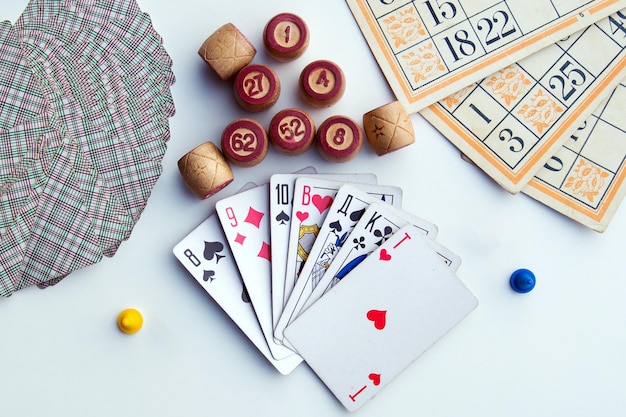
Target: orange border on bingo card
{"type": "Point", "coordinates": [593, 214]}
{"type": "Point", "coordinates": [546, 142]}
{"type": "Point", "coordinates": [412, 98]}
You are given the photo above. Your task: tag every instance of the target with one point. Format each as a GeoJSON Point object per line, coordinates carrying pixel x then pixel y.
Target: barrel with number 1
{"type": "Point", "coordinates": [286, 37]}
{"type": "Point", "coordinates": [244, 142]}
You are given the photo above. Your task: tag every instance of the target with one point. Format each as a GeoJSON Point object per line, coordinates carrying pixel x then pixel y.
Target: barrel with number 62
{"type": "Point", "coordinates": [244, 142]}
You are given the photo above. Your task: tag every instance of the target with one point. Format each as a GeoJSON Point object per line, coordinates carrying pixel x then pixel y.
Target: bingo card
{"type": "Point", "coordinates": [430, 49]}
{"type": "Point", "coordinates": [511, 122]}
{"type": "Point", "coordinates": [584, 179]}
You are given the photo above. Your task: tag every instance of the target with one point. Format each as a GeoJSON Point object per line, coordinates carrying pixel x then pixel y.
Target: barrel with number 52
{"type": "Point", "coordinates": [292, 131]}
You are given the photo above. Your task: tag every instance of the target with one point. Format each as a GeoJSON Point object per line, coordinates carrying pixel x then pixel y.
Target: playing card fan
{"type": "Point", "coordinates": [328, 269]}
{"type": "Point", "coordinates": [85, 93]}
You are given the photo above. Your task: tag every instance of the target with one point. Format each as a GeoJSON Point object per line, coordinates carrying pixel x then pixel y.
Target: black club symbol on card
{"type": "Point", "coordinates": [358, 243]}
{"type": "Point", "coordinates": [383, 234]}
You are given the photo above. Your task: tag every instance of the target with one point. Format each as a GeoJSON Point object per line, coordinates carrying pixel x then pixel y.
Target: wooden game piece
{"type": "Point", "coordinates": [388, 128]}
{"type": "Point", "coordinates": [204, 170]}
{"type": "Point", "coordinates": [257, 87]}
{"type": "Point", "coordinates": [322, 83]}
{"type": "Point", "coordinates": [286, 37]}
{"type": "Point", "coordinates": [292, 131]}
{"type": "Point", "coordinates": [339, 139]}
{"type": "Point", "coordinates": [227, 51]}
{"type": "Point", "coordinates": [244, 142]}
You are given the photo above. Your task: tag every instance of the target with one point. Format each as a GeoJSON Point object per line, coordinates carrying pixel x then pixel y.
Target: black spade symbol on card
{"type": "Point", "coordinates": [282, 218]}
{"type": "Point", "coordinates": [208, 275]}
{"type": "Point", "coordinates": [212, 249]}
{"type": "Point", "coordinates": [356, 215]}
{"type": "Point", "coordinates": [335, 226]}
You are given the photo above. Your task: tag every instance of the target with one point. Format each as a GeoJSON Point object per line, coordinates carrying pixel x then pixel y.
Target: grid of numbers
{"type": "Point", "coordinates": [523, 112]}
{"type": "Point", "coordinates": [432, 38]}
{"type": "Point", "coordinates": [587, 172]}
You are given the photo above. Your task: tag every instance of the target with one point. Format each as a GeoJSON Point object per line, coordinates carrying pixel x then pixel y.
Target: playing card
{"type": "Point", "coordinates": [64, 236]}
{"type": "Point", "coordinates": [348, 206]}
{"type": "Point", "coordinates": [244, 218]}
{"type": "Point", "coordinates": [21, 98]}
{"type": "Point", "coordinates": [281, 203]}
{"type": "Point", "coordinates": [379, 222]}
{"type": "Point", "coordinates": [207, 256]}
{"type": "Point", "coordinates": [85, 100]}
{"type": "Point", "coordinates": [312, 198]}
{"type": "Point", "coordinates": [373, 324]}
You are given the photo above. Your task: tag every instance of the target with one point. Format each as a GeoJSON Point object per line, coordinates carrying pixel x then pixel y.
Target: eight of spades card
{"type": "Point", "coordinates": [207, 257]}
{"type": "Point", "coordinates": [347, 208]}
{"type": "Point", "coordinates": [246, 226]}
{"type": "Point", "coordinates": [281, 202]}
{"type": "Point", "coordinates": [380, 318]}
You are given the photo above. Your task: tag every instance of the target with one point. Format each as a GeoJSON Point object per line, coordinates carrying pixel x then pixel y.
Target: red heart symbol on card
{"type": "Point", "coordinates": [321, 203]}
{"type": "Point", "coordinates": [379, 317]}
{"type": "Point", "coordinates": [375, 378]}
{"type": "Point", "coordinates": [384, 255]}
{"type": "Point", "coordinates": [302, 215]}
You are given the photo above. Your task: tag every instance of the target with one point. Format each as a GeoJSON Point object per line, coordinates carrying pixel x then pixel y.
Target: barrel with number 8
{"type": "Point", "coordinates": [339, 139]}
{"type": "Point", "coordinates": [244, 142]}
{"type": "Point", "coordinates": [292, 131]}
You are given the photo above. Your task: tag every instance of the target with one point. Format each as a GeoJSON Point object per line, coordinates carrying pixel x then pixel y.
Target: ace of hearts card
{"type": "Point", "coordinates": [382, 316]}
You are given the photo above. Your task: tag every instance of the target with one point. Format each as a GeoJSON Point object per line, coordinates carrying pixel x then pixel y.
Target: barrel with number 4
{"type": "Point", "coordinates": [322, 83]}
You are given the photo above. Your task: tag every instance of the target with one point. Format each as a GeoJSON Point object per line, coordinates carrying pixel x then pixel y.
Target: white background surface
{"type": "Point", "coordinates": [557, 351]}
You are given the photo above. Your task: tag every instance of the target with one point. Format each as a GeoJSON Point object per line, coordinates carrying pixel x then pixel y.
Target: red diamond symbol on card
{"type": "Point", "coordinates": [240, 238]}
{"type": "Point", "coordinates": [254, 217]}
{"type": "Point", "coordinates": [265, 252]}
